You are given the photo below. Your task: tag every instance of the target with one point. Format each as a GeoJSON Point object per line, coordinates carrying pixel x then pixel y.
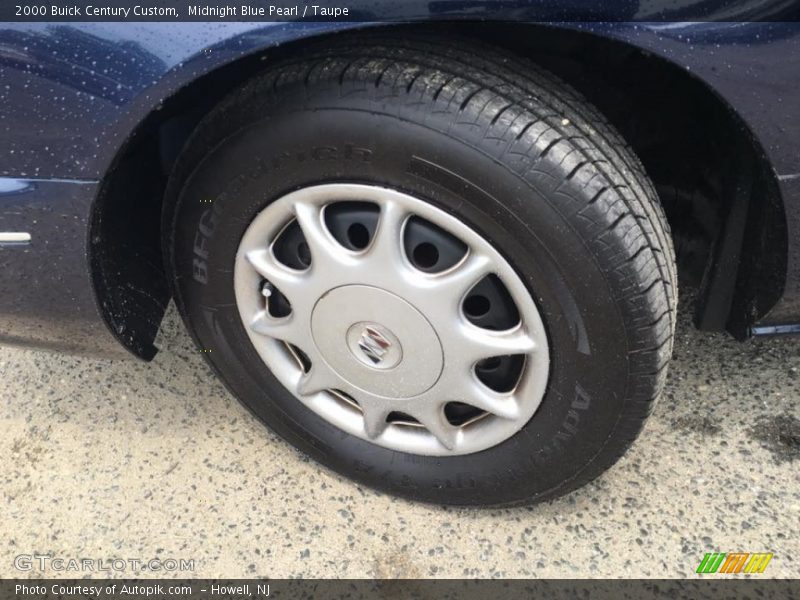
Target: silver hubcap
{"type": "Point", "coordinates": [377, 346]}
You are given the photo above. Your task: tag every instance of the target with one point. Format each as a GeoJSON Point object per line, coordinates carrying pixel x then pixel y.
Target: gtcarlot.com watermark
{"type": "Point", "coordinates": [46, 562]}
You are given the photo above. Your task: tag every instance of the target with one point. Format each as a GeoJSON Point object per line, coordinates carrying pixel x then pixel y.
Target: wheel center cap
{"type": "Point", "coordinates": [377, 341]}
{"type": "Point", "coordinates": [374, 345]}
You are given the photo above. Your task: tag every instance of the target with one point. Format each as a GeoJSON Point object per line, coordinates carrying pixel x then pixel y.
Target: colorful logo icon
{"type": "Point", "coordinates": [734, 562]}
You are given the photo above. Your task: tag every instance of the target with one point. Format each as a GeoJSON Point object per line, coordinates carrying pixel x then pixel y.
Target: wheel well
{"type": "Point", "coordinates": [728, 223]}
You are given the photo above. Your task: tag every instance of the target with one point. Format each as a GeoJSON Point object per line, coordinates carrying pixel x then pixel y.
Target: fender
{"type": "Point", "coordinates": [146, 64]}
{"type": "Point", "coordinates": [82, 92]}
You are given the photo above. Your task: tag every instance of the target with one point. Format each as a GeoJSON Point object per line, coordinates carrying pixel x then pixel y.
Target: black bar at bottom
{"type": "Point", "coordinates": [712, 587]}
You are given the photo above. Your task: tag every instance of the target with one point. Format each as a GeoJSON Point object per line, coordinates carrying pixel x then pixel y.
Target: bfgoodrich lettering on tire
{"type": "Point", "coordinates": [434, 268]}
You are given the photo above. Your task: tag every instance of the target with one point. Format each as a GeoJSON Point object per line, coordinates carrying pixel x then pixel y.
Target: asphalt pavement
{"type": "Point", "coordinates": [113, 459]}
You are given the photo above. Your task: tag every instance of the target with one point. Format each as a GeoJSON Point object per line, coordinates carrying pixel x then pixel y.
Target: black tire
{"type": "Point", "coordinates": [510, 150]}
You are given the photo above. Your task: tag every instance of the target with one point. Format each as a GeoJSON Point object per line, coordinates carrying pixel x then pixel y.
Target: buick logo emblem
{"type": "Point", "coordinates": [373, 345]}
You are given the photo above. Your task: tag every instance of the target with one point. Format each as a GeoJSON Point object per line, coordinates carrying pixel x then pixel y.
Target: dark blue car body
{"type": "Point", "coordinates": [75, 99]}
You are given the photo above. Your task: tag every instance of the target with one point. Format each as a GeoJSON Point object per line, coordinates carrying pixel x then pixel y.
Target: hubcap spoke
{"type": "Point", "coordinates": [452, 286]}
{"type": "Point", "coordinates": [478, 343]}
{"type": "Point", "coordinates": [326, 253]}
{"type": "Point", "coordinates": [478, 395]}
{"type": "Point", "coordinates": [386, 248]}
{"type": "Point", "coordinates": [375, 415]}
{"type": "Point", "coordinates": [433, 419]}
{"type": "Point", "coordinates": [287, 329]}
{"type": "Point", "coordinates": [317, 379]}
{"type": "Point", "coordinates": [288, 281]}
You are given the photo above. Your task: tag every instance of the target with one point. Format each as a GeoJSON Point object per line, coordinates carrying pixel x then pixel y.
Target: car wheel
{"type": "Point", "coordinates": [437, 271]}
